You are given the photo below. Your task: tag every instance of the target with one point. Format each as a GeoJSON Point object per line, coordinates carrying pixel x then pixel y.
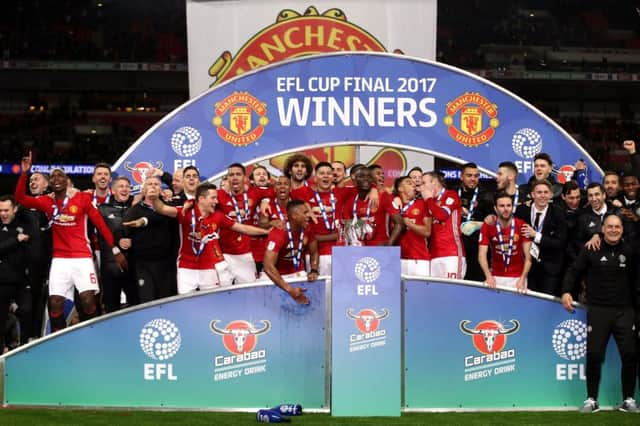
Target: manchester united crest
{"type": "Point", "coordinates": [471, 119]}
{"type": "Point", "coordinates": [240, 119]}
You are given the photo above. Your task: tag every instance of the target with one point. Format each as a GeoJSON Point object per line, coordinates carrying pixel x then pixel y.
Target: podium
{"type": "Point", "coordinates": [366, 317]}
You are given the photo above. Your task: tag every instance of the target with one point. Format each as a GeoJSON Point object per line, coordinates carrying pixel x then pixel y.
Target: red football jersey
{"type": "Point", "coordinates": [69, 225]}
{"type": "Point", "coordinates": [241, 211]}
{"type": "Point", "coordinates": [377, 220]}
{"type": "Point", "coordinates": [413, 245]}
{"type": "Point", "coordinates": [278, 242]}
{"type": "Point", "coordinates": [489, 237]}
{"type": "Point", "coordinates": [204, 237]}
{"type": "Point", "coordinates": [446, 239]}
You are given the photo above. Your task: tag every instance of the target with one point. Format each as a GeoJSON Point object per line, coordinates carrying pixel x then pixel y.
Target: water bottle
{"type": "Point", "coordinates": [582, 177]}
{"type": "Point", "coordinates": [270, 416]}
{"type": "Point", "coordinates": [289, 409]}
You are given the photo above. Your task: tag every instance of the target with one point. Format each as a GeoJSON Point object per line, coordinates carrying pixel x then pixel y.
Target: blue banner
{"type": "Point", "coordinates": [366, 331]}
{"type": "Point", "coordinates": [471, 347]}
{"type": "Point", "coordinates": [249, 347]}
{"type": "Point", "coordinates": [353, 98]}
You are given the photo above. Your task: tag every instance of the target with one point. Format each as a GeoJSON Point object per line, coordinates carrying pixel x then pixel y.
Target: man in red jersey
{"type": "Point", "coordinates": [368, 224]}
{"type": "Point", "coordinates": [283, 258]}
{"type": "Point", "coordinates": [414, 251]}
{"type": "Point", "coordinates": [298, 168]}
{"type": "Point", "coordinates": [72, 264]}
{"type": "Point", "coordinates": [239, 204]}
{"type": "Point", "coordinates": [325, 203]}
{"type": "Point", "coordinates": [510, 257]}
{"type": "Point", "coordinates": [101, 193]}
{"type": "Point", "coordinates": [447, 250]}
{"type": "Point", "coordinates": [201, 265]}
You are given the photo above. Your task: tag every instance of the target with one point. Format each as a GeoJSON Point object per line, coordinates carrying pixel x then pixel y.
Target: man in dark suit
{"type": "Point", "coordinates": [547, 228]}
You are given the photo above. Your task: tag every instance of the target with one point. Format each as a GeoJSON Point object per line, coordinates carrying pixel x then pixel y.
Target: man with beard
{"type": "Point", "coordinates": [476, 205]}
{"type": "Point", "coordinates": [510, 257]}
{"type": "Point", "coordinates": [339, 173]}
{"type": "Point", "coordinates": [506, 178]}
{"type": "Point", "coordinates": [298, 168]}
{"type": "Point", "coordinates": [325, 203]}
{"type": "Point", "coordinates": [612, 187]}
{"type": "Point", "coordinates": [239, 204]}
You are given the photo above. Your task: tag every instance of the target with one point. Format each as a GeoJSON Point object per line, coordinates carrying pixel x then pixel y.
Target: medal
{"type": "Point", "coordinates": [506, 254]}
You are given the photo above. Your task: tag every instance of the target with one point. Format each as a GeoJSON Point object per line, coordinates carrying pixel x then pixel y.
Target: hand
{"type": "Point", "coordinates": [630, 146]}
{"type": "Point", "coordinates": [312, 276]}
{"type": "Point", "coordinates": [278, 224]}
{"type": "Point", "coordinates": [594, 243]}
{"type": "Point", "coordinates": [616, 203]}
{"type": "Point", "coordinates": [122, 262]}
{"type": "Point", "coordinates": [521, 285]}
{"type": "Point", "coordinates": [137, 223]}
{"type": "Point", "coordinates": [490, 219]}
{"type": "Point", "coordinates": [628, 214]}
{"type": "Point", "coordinates": [167, 194]}
{"type": "Point", "coordinates": [374, 199]}
{"type": "Point", "coordinates": [567, 302]}
{"type": "Point", "coordinates": [297, 294]}
{"type": "Point", "coordinates": [408, 222]}
{"type": "Point", "coordinates": [528, 231]}
{"type": "Point", "coordinates": [491, 281]}
{"type": "Point", "coordinates": [26, 163]}
{"type": "Point", "coordinates": [125, 243]}
{"type": "Point", "coordinates": [580, 165]}
{"type": "Point", "coordinates": [153, 193]}
{"type": "Point", "coordinates": [22, 237]}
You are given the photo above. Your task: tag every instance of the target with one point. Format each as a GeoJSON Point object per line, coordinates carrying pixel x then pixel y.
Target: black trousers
{"type": "Point", "coordinates": [543, 281]}
{"type": "Point", "coordinates": [155, 279]}
{"type": "Point", "coordinates": [7, 293]}
{"type": "Point", "coordinates": [113, 283]}
{"type": "Point", "coordinates": [603, 322]}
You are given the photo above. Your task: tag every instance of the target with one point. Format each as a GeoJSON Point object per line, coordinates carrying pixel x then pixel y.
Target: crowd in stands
{"type": "Point", "coordinates": [91, 30]}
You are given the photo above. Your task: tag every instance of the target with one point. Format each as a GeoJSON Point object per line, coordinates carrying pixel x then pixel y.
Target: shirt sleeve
{"type": "Point", "coordinates": [483, 238]}
{"type": "Point", "coordinates": [275, 240]}
{"type": "Point", "coordinates": [38, 203]}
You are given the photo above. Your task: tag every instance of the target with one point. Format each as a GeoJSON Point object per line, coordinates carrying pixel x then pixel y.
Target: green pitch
{"type": "Point", "coordinates": [66, 417]}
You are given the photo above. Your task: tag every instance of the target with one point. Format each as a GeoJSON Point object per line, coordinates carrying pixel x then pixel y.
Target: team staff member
{"type": "Point", "coordinates": [152, 235]}
{"type": "Point", "coordinates": [72, 263]}
{"type": "Point", "coordinates": [114, 280]}
{"type": "Point", "coordinates": [510, 258]}
{"type": "Point", "coordinates": [283, 258]}
{"type": "Point", "coordinates": [612, 289]}
{"type": "Point", "coordinates": [13, 259]}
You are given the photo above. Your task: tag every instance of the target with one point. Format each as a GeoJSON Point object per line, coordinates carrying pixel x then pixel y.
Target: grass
{"type": "Point", "coordinates": [38, 416]}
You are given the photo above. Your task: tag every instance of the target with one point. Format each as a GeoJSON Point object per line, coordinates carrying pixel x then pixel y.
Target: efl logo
{"type": "Point", "coordinates": [140, 169]}
{"type": "Point", "coordinates": [241, 108]}
{"type": "Point", "coordinates": [470, 109]}
{"type": "Point", "coordinates": [569, 340]}
{"type": "Point", "coordinates": [526, 143]}
{"type": "Point", "coordinates": [294, 35]}
{"type": "Point", "coordinates": [489, 336]}
{"type": "Point", "coordinates": [240, 338]}
{"type": "Point", "coordinates": [160, 340]}
{"type": "Point", "coordinates": [368, 320]}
